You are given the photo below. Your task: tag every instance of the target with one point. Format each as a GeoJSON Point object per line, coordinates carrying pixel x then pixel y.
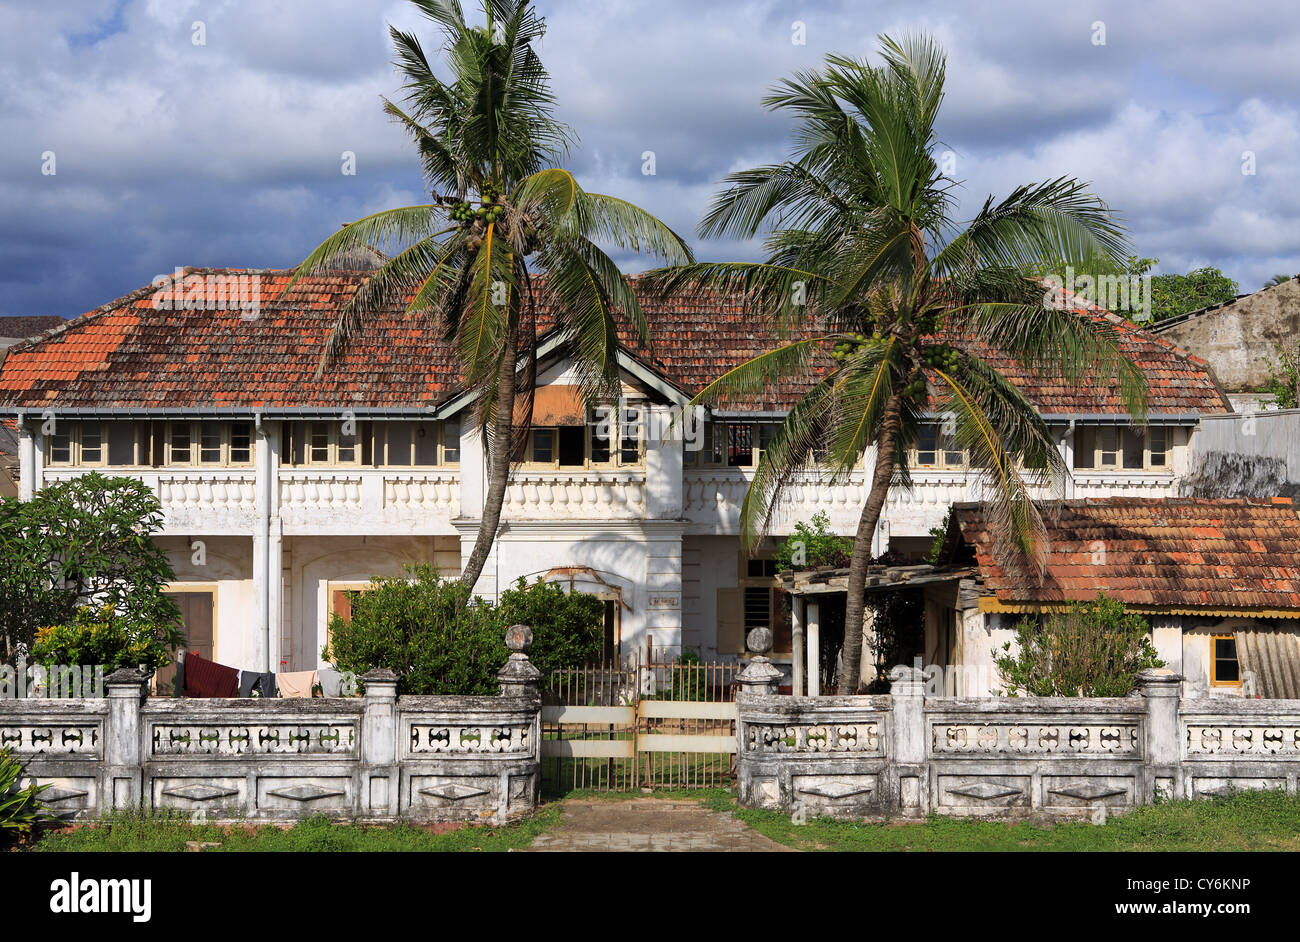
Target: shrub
{"type": "Point", "coordinates": [438, 639]}
{"type": "Point", "coordinates": [20, 808]}
{"type": "Point", "coordinates": [429, 631]}
{"type": "Point", "coordinates": [814, 545]}
{"type": "Point", "coordinates": [1091, 650]}
{"type": "Point", "coordinates": [568, 627]}
{"type": "Point", "coordinates": [96, 635]}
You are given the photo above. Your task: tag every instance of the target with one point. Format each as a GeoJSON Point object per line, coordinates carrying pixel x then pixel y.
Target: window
{"type": "Point", "coordinates": [402, 444]}
{"type": "Point", "coordinates": [764, 603]}
{"type": "Point", "coordinates": [582, 446]}
{"type": "Point", "coordinates": [92, 442]}
{"type": "Point", "coordinates": [732, 444]}
{"type": "Point", "coordinates": [1225, 670]}
{"type": "Point", "coordinates": [934, 449]}
{"type": "Point", "coordinates": [209, 443]}
{"type": "Point", "coordinates": [1112, 448]}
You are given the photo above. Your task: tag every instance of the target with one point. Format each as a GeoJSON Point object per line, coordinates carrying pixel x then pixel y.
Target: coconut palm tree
{"type": "Point", "coordinates": [502, 214]}
{"type": "Point", "coordinates": [884, 303]}
{"type": "Point", "coordinates": [1277, 280]}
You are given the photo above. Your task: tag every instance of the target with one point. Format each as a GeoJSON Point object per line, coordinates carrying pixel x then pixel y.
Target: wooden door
{"type": "Point", "coordinates": [196, 627]}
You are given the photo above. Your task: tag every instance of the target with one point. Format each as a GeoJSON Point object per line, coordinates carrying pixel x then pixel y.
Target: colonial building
{"type": "Point", "coordinates": [283, 492]}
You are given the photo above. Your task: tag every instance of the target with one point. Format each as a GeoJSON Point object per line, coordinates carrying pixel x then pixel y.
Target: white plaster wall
{"type": "Point", "coordinates": [981, 641]}
{"type": "Point", "coordinates": [709, 563]}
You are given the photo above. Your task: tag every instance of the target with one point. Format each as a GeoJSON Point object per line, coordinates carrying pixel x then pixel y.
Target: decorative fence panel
{"type": "Point", "coordinates": [374, 758]}
{"type": "Point", "coordinates": [911, 755]}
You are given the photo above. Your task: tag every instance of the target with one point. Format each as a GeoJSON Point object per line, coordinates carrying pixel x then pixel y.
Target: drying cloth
{"type": "Point", "coordinates": [249, 681]}
{"type": "Point", "coordinates": [298, 684]}
{"type": "Point", "coordinates": [204, 678]}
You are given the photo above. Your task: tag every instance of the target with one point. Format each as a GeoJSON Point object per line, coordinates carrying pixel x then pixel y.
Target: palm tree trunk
{"type": "Point", "coordinates": [498, 451]}
{"type": "Point", "coordinates": [855, 604]}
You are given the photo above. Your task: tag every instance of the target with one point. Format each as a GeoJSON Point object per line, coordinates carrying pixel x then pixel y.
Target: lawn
{"type": "Point", "coordinates": [169, 831]}
{"type": "Point", "coordinates": [1251, 820]}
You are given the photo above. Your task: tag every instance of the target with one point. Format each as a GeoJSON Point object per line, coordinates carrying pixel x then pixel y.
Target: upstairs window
{"type": "Point", "coordinates": [732, 444]}
{"type": "Point", "coordinates": [1114, 448]}
{"type": "Point", "coordinates": [402, 444]}
{"type": "Point", "coordinates": [935, 450]}
{"type": "Point", "coordinates": [95, 443]}
{"type": "Point", "coordinates": [207, 443]}
{"type": "Point", "coordinates": [1225, 669]}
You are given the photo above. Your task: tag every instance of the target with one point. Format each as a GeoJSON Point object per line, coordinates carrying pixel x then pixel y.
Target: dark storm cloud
{"type": "Point", "coordinates": [229, 153]}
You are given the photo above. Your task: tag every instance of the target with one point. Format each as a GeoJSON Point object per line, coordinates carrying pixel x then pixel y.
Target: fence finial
{"type": "Point", "coordinates": [760, 676]}
{"type": "Point", "coordinates": [519, 677]}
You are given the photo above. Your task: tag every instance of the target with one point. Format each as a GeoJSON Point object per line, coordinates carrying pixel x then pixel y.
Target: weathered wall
{"type": "Point", "coordinates": [911, 755]}
{"type": "Point", "coordinates": [1238, 338]}
{"type": "Point", "coordinates": [1245, 455]}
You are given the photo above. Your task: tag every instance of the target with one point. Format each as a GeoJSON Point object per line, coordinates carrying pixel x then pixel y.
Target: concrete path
{"type": "Point", "coordinates": [649, 824]}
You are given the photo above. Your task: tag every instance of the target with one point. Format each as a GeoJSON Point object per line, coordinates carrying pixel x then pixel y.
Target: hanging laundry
{"type": "Point", "coordinates": [298, 684]}
{"type": "Point", "coordinates": [263, 684]}
{"type": "Point", "coordinates": [204, 678]}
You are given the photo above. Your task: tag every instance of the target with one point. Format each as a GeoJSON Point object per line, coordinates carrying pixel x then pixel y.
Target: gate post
{"type": "Point", "coordinates": [909, 776]}
{"type": "Point", "coordinates": [123, 743]}
{"type": "Point", "coordinates": [758, 680]}
{"type": "Point", "coordinates": [1161, 689]}
{"type": "Point", "coordinates": [380, 771]}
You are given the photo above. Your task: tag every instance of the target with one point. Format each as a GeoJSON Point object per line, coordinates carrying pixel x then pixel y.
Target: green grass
{"type": "Point", "coordinates": [167, 831]}
{"type": "Point", "coordinates": [1251, 820]}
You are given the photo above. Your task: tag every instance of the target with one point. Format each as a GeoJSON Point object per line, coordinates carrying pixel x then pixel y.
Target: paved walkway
{"type": "Point", "coordinates": [649, 824]}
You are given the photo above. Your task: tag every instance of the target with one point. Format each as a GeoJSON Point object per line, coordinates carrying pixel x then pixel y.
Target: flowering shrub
{"type": "Point", "coordinates": [97, 635]}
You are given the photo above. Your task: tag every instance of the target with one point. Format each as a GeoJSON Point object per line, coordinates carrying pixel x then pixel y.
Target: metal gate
{"type": "Point", "coordinates": [648, 721]}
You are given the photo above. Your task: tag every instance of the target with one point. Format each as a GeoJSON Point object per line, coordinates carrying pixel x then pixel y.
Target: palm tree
{"type": "Point", "coordinates": [1277, 280]}
{"type": "Point", "coordinates": [502, 214]}
{"type": "Point", "coordinates": [889, 308]}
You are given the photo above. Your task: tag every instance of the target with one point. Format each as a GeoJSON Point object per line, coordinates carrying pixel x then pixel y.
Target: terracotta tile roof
{"type": "Point", "coordinates": [1185, 553]}
{"type": "Point", "coordinates": [131, 354]}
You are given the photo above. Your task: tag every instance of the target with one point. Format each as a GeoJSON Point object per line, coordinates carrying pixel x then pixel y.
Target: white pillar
{"type": "Point", "coordinates": [814, 651]}
{"type": "Point", "coordinates": [27, 456]}
{"type": "Point", "coordinates": [663, 466]}
{"type": "Point", "coordinates": [797, 619]}
{"type": "Point", "coordinates": [262, 576]}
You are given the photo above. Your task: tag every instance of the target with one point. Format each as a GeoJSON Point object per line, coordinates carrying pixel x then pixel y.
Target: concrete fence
{"type": "Point", "coordinates": [909, 755]}
{"type": "Point", "coordinates": [378, 758]}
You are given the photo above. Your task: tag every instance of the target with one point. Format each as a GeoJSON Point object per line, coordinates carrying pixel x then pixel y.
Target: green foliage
{"type": "Point", "coordinates": [97, 635]}
{"type": "Point", "coordinates": [1172, 295]}
{"type": "Point", "coordinates": [1090, 650]}
{"type": "Point", "coordinates": [20, 808]}
{"type": "Point", "coordinates": [431, 632]}
{"type": "Point", "coordinates": [937, 536]}
{"type": "Point", "coordinates": [568, 627]}
{"type": "Point", "coordinates": [1277, 280]}
{"type": "Point", "coordinates": [439, 639]}
{"type": "Point", "coordinates": [1283, 380]}
{"type": "Point", "coordinates": [84, 540]}
{"type": "Point", "coordinates": [810, 546]}
{"type": "Point", "coordinates": [166, 830]}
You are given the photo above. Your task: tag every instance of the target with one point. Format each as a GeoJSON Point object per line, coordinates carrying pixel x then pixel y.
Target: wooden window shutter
{"type": "Point", "coordinates": [731, 622]}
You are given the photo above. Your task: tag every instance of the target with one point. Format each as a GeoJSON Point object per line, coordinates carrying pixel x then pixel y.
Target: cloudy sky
{"type": "Point", "coordinates": [168, 151]}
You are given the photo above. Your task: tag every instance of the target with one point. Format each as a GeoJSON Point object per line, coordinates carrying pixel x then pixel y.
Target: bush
{"type": "Point", "coordinates": [568, 627]}
{"type": "Point", "coordinates": [1091, 650]}
{"type": "Point", "coordinates": [429, 631]}
{"type": "Point", "coordinates": [99, 636]}
{"type": "Point", "coordinates": [811, 546]}
{"type": "Point", "coordinates": [439, 639]}
{"type": "Point", "coordinates": [85, 541]}
{"type": "Point", "coordinates": [20, 808]}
